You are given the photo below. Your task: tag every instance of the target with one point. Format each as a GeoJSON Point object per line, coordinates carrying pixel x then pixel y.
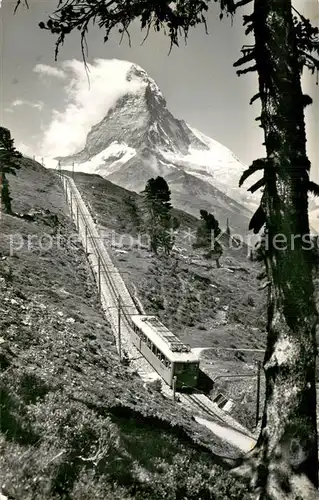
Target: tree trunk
{"type": "Point", "coordinates": [5, 194]}
{"type": "Point", "coordinates": [287, 444]}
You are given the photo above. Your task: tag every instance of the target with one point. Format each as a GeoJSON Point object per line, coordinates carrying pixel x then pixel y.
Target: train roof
{"type": "Point", "coordinates": [170, 345]}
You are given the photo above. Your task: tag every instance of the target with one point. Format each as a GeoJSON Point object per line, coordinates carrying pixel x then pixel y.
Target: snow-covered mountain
{"type": "Point", "coordinates": [139, 138]}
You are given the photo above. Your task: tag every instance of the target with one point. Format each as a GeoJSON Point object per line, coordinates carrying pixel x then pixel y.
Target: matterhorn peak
{"type": "Point", "coordinates": [139, 138]}
{"type": "Point", "coordinates": [139, 74]}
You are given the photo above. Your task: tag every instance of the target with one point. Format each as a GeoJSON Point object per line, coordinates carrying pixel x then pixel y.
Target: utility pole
{"type": "Point", "coordinates": [73, 170]}
{"type": "Point", "coordinates": [86, 239]}
{"type": "Point", "coordinates": [77, 217]}
{"type": "Point", "coordinates": [99, 275]}
{"type": "Point", "coordinates": [174, 388]}
{"type": "Point", "coordinates": [59, 170]}
{"type": "Point", "coordinates": [42, 163]}
{"type": "Point", "coordinates": [71, 204]}
{"type": "Point", "coordinates": [119, 326]}
{"type": "Point", "coordinates": [258, 391]}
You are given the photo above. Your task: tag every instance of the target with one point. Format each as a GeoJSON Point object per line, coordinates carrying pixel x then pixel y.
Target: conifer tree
{"type": "Point", "coordinates": [285, 43]}
{"type": "Point", "coordinates": [159, 223]}
{"type": "Point", "coordinates": [207, 237]}
{"type": "Point", "coordinates": [9, 163]}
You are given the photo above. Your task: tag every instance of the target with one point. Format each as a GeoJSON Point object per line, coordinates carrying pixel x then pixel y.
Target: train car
{"type": "Point", "coordinates": [164, 351]}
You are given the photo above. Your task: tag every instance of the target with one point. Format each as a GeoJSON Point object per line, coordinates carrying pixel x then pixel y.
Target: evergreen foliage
{"type": "Point", "coordinates": [207, 237]}
{"type": "Point", "coordinates": [158, 221]}
{"type": "Point", "coordinates": [9, 163]}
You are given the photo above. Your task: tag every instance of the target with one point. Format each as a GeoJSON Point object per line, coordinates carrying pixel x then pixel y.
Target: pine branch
{"type": "Point", "coordinates": [255, 97]}
{"type": "Point", "coordinates": [313, 188]}
{"type": "Point", "coordinates": [257, 185]}
{"type": "Point", "coordinates": [249, 29]}
{"type": "Point", "coordinates": [241, 3]}
{"type": "Point", "coordinates": [314, 62]}
{"type": "Point", "coordinates": [258, 220]}
{"type": "Point", "coordinates": [246, 58]}
{"type": "Point", "coordinates": [259, 164]}
{"type": "Point", "coordinates": [248, 19]}
{"type": "Point", "coordinates": [247, 70]}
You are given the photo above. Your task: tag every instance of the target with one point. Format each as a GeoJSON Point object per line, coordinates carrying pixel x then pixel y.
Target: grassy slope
{"type": "Point", "coordinates": [204, 306]}
{"type": "Point", "coordinates": [75, 424]}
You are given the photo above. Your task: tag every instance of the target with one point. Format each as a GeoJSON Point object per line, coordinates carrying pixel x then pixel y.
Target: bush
{"type": "Point", "coordinates": [156, 384]}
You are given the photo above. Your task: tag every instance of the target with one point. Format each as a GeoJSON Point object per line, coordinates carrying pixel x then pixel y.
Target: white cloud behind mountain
{"type": "Point", "coordinates": [86, 102]}
{"type": "Point", "coordinates": [46, 70]}
{"type": "Point", "coordinates": [21, 102]}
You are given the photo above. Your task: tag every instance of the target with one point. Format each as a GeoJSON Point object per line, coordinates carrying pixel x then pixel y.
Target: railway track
{"type": "Point", "coordinates": [111, 286]}
{"type": "Point", "coordinates": [201, 407]}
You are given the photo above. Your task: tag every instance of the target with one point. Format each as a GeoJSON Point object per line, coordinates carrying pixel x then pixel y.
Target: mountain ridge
{"type": "Point", "coordinates": [140, 138]}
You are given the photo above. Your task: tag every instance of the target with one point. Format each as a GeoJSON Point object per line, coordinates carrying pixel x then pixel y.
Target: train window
{"type": "Point", "coordinates": [167, 363]}
{"type": "Point", "coordinates": [161, 357]}
{"type": "Point", "coordinates": [179, 367]}
{"type": "Point", "coordinates": [193, 367]}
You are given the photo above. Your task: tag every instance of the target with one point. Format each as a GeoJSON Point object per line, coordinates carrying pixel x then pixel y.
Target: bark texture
{"type": "Point", "coordinates": [287, 444]}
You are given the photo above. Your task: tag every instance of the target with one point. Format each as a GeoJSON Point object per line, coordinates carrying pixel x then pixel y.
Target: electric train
{"type": "Point", "coordinates": [164, 351]}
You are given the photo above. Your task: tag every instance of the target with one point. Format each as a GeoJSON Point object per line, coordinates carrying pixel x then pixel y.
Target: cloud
{"type": "Point", "coordinates": [86, 104]}
{"type": "Point", "coordinates": [24, 149]}
{"type": "Point", "coordinates": [19, 102]}
{"type": "Point", "coordinates": [45, 69]}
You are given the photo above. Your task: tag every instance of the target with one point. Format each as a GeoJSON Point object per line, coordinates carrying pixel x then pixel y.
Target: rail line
{"type": "Point", "coordinates": [110, 291]}
{"type": "Point", "coordinates": [189, 401]}
{"type": "Point", "coordinates": [102, 259]}
{"type": "Point", "coordinates": [201, 406]}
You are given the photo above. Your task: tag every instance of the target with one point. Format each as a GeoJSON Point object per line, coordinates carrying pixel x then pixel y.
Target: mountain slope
{"type": "Point", "coordinates": [75, 423]}
{"type": "Point", "coordinates": [139, 138]}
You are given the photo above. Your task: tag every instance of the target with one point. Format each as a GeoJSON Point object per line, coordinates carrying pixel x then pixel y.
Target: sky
{"type": "Point", "coordinates": [42, 100]}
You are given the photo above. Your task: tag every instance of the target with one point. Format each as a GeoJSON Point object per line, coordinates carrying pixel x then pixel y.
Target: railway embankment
{"type": "Point", "coordinates": [75, 423]}
{"type": "Point", "coordinates": [205, 306]}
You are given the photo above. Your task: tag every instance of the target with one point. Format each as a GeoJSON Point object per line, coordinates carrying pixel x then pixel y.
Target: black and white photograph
{"type": "Point", "coordinates": [159, 249]}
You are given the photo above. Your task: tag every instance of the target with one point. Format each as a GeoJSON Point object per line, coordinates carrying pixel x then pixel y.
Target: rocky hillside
{"type": "Point", "coordinates": [185, 289]}
{"type": "Point", "coordinates": [76, 424]}
{"type": "Point", "coordinates": [205, 306]}
{"type": "Point", "coordinates": [139, 138]}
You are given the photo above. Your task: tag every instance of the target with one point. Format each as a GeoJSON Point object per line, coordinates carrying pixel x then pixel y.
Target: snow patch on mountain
{"type": "Point", "coordinates": [216, 165]}
{"type": "Point", "coordinates": [139, 138]}
{"type": "Point", "coordinates": [109, 160]}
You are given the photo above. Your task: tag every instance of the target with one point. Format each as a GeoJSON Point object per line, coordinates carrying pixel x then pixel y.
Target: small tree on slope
{"type": "Point", "coordinates": [9, 163]}
{"type": "Point", "coordinates": [206, 237]}
{"type": "Point", "coordinates": [157, 215]}
{"type": "Point", "coordinates": [284, 45]}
